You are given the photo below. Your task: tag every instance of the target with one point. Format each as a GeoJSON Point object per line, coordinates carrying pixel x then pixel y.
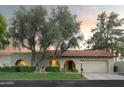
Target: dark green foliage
{"type": "Point", "coordinates": [27, 69]}
{"type": "Point", "coordinates": [65, 69]}
{"type": "Point", "coordinates": [6, 69]}
{"type": "Point", "coordinates": [3, 39]}
{"type": "Point", "coordinates": [18, 69]}
{"type": "Point", "coordinates": [59, 29]}
{"type": "Point", "coordinates": [53, 69]}
{"type": "Point", "coordinates": [63, 30]}
{"type": "Point", "coordinates": [25, 26]}
{"type": "Point", "coordinates": [74, 69]}
{"type": "Point", "coordinates": [107, 35]}
{"type": "Point", "coordinates": [15, 69]}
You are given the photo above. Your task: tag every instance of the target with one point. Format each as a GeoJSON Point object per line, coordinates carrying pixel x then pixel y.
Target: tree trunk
{"type": "Point", "coordinates": [33, 55]}
{"type": "Point", "coordinates": [107, 47]}
{"type": "Point", "coordinates": [40, 67]}
{"type": "Point", "coordinates": [42, 55]}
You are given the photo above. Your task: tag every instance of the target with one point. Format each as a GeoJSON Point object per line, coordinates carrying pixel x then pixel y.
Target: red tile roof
{"type": "Point", "coordinates": [4, 53]}
{"type": "Point", "coordinates": [76, 53]}
{"type": "Point", "coordinates": [86, 53]}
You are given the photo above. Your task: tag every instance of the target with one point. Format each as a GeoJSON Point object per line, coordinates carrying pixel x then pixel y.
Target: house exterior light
{"type": "Point", "coordinates": [81, 61]}
{"type": "Point", "coordinates": [54, 63]}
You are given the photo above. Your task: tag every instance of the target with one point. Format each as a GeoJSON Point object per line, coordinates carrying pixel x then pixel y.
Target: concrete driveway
{"type": "Point", "coordinates": [103, 76]}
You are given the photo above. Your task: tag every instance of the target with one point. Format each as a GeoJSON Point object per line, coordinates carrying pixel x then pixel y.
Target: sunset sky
{"type": "Point", "coordinates": [87, 14]}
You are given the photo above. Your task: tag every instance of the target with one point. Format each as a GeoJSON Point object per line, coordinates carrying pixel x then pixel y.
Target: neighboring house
{"type": "Point", "coordinates": [93, 60]}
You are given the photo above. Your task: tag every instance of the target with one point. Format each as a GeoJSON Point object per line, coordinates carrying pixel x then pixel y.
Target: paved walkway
{"type": "Point", "coordinates": [103, 76]}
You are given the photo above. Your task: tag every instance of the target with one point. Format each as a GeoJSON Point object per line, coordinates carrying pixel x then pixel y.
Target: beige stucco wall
{"type": "Point", "coordinates": [110, 65]}
{"type": "Point", "coordinates": [26, 57]}
{"type": "Point", "coordinates": [109, 61]}
{"type": "Point", "coordinates": [62, 60]}
{"type": "Point", "coordinates": [5, 61]}
{"type": "Point", "coordinates": [18, 56]}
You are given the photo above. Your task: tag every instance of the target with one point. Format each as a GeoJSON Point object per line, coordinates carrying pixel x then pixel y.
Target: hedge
{"type": "Point", "coordinates": [6, 69]}
{"type": "Point", "coordinates": [65, 69]}
{"type": "Point", "coordinates": [52, 69]}
{"type": "Point", "coordinates": [27, 69]}
{"type": "Point", "coordinates": [18, 69]}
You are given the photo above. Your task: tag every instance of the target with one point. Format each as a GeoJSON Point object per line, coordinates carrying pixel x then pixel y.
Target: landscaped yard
{"type": "Point", "coordinates": [40, 76]}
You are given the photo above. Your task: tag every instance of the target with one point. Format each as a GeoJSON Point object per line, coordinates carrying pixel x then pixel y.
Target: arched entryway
{"type": "Point", "coordinates": [70, 65]}
{"type": "Point", "coordinates": [20, 62]}
{"type": "Point", "coordinates": [54, 63]}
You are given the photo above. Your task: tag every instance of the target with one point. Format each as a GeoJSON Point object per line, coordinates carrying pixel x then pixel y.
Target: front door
{"type": "Point", "coordinates": [70, 65]}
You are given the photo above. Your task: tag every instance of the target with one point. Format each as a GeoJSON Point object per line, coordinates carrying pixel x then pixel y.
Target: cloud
{"type": "Point", "coordinates": [89, 16]}
{"type": "Point", "coordinates": [88, 19]}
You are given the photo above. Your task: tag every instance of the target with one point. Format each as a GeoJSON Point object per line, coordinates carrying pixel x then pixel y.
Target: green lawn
{"type": "Point", "coordinates": [39, 76]}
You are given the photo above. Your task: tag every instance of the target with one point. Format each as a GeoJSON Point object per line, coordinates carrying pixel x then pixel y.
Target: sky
{"type": "Point", "coordinates": [86, 14]}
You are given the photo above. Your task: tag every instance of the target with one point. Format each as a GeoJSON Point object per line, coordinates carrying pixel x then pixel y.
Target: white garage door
{"type": "Point", "coordinates": [95, 66]}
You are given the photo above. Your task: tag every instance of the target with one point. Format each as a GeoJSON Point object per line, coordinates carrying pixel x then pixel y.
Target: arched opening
{"type": "Point", "coordinates": [54, 63]}
{"type": "Point", "coordinates": [70, 65]}
{"type": "Point", "coordinates": [21, 62]}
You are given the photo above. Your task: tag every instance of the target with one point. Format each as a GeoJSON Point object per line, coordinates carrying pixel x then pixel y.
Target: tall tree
{"type": "Point", "coordinates": [3, 29]}
{"type": "Point", "coordinates": [33, 28]}
{"type": "Point", "coordinates": [65, 29]}
{"type": "Point", "coordinates": [25, 27]}
{"type": "Point", "coordinates": [62, 32]}
{"type": "Point", "coordinates": [107, 35]}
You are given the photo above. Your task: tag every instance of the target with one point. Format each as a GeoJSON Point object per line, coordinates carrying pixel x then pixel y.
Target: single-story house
{"type": "Point", "coordinates": [93, 60]}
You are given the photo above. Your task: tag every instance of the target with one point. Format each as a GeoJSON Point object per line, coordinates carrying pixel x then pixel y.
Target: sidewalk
{"type": "Point", "coordinates": [103, 76]}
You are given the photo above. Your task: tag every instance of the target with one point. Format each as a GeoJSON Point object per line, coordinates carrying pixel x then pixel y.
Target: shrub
{"type": "Point", "coordinates": [0, 68]}
{"type": "Point", "coordinates": [74, 69]}
{"type": "Point", "coordinates": [52, 69]}
{"type": "Point", "coordinates": [27, 69]}
{"type": "Point", "coordinates": [10, 69]}
{"type": "Point", "coordinates": [64, 69]}
{"type": "Point", "coordinates": [5, 69]}
{"type": "Point", "coordinates": [15, 69]}
{"type": "Point", "coordinates": [18, 69]}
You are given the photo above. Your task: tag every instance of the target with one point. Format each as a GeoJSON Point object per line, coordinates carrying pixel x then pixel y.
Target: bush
{"type": "Point", "coordinates": [64, 69]}
{"type": "Point", "coordinates": [18, 69]}
{"type": "Point", "coordinates": [6, 69]}
{"type": "Point", "coordinates": [27, 69]}
{"type": "Point", "coordinates": [74, 69]}
{"type": "Point", "coordinates": [0, 68]}
{"type": "Point", "coordinates": [52, 69]}
{"type": "Point", "coordinates": [15, 69]}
